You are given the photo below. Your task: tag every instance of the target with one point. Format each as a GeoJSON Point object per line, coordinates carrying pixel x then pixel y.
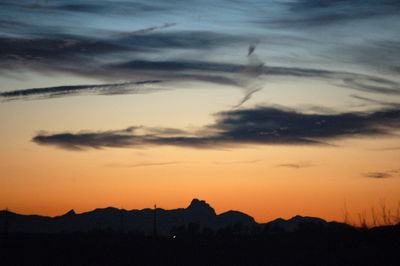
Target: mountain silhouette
{"type": "Point", "coordinates": [198, 213]}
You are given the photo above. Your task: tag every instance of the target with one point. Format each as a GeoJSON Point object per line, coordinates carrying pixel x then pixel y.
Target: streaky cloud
{"type": "Point", "coordinates": [373, 84]}
{"type": "Point", "coordinates": [143, 31]}
{"type": "Point", "coordinates": [62, 91]}
{"type": "Point", "coordinates": [238, 162]}
{"type": "Point", "coordinates": [378, 175]}
{"type": "Point", "coordinates": [395, 148]}
{"type": "Point", "coordinates": [145, 164]}
{"type": "Point", "coordinates": [107, 59]}
{"type": "Point", "coordinates": [245, 76]}
{"type": "Point", "coordinates": [54, 47]}
{"type": "Point", "coordinates": [383, 174]}
{"type": "Point", "coordinates": [379, 102]}
{"type": "Point", "coordinates": [317, 13]}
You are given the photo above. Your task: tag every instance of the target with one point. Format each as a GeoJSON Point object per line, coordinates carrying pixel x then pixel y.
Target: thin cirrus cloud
{"type": "Point", "coordinates": [260, 125]}
{"type": "Point", "coordinates": [350, 22]}
{"type": "Point", "coordinates": [91, 58]}
{"type": "Point", "coordinates": [229, 74]}
{"type": "Point", "coordinates": [388, 104]}
{"type": "Point", "coordinates": [320, 13]}
{"type": "Point", "coordinates": [75, 49]}
{"type": "Point", "coordinates": [116, 54]}
{"type": "Point", "coordinates": [113, 53]}
{"type": "Point", "coordinates": [169, 52]}
{"type": "Point", "coordinates": [241, 76]}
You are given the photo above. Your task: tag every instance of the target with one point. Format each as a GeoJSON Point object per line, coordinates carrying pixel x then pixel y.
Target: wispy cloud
{"type": "Point", "coordinates": [45, 39]}
{"type": "Point", "coordinates": [239, 162]}
{"type": "Point", "coordinates": [144, 164]}
{"type": "Point", "coordinates": [385, 174]}
{"type": "Point", "coordinates": [240, 76]}
{"type": "Point", "coordinates": [248, 77]}
{"type": "Point", "coordinates": [346, 28]}
{"type": "Point", "coordinates": [389, 149]}
{"type": "Point", "coordinates": [143, 31]}
{"type": "Point", "coordinates": [374, 101]}
{"type": "Point", "coordinates": [296, 165]}
{"type": "Point", "coordinates": [60, 52]}
{"type": "Point", "coordinates": [315, 13]}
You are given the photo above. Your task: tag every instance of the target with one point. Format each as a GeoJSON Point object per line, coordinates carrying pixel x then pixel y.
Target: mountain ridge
{"type": "Point", "coordinates": [198, 212]}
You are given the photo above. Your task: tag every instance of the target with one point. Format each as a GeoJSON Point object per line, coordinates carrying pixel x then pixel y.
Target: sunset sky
{"type": "Point", "coordinates": [273, 108]}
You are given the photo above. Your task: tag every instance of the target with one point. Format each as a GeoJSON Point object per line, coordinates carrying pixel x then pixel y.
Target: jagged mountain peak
{"type": "Point", "coordinates": [200, 207]}
{"type": "Point", "coordinates": [70, 213]}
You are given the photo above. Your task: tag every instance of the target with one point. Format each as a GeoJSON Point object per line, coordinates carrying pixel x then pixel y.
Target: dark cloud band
{"type": "Point", "coordinates": [262, 125]}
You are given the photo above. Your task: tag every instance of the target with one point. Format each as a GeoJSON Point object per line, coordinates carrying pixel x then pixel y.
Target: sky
{"type": "Point", "coordinates": [274, 108]}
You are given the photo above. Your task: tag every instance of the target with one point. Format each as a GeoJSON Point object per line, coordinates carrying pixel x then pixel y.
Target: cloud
{"type": "Point", "coordinates": [65, 52]}
{"type": "Point", "coordinates": [344, 31]}
{"type": "Point", "coordinates": [115, 59]}
{"type": "Point", "coordinates": [181, 65]}
{"type": "Point", "coordinates": [47, 40]}
{"type": "Point", "coordinates": [121, 58]}
{"type": "Point", "coordinates": [319, 13]}
{"type": "Point", "coordinates": [389, 149]}
{"type": "Point", "coordinates": [246, 77]}
{"type": "Point", "coordinates": [73, 7]}
{"type": "Point", "coordinates": [296, 165]}
{"type": "Point", "coordinates": [144, 164]}
{"type": "Point", "coordinates": [395, 171]}
{"type": "Point", "coordinates": [260, 126]}
{"type": "Point", "coordinates": [380, 54]}
{"type": "Point", "coordinates": [143, 31]}
{"type": "Point", "coordinates": [239, 162]}
{"type": "Point", "coordinates": [385, 174]}
{"type": "Point", "coordinates": [378, 102]}
{"type": "Point", "coordinates": [62, 91]}
{"type": "Point", "coordinates": [377, 175]}
{"type": "Point", "coordinates": [57, 52]}
{"type": "Point", "coordinates": [373, 84]}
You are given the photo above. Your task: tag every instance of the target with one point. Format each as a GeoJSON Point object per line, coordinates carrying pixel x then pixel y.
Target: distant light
{"type": "Point", "coordinates": [173, 236]}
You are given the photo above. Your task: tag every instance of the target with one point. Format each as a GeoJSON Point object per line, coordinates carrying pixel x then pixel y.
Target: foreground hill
{"type": "Point", "coordinates": [375, 247]}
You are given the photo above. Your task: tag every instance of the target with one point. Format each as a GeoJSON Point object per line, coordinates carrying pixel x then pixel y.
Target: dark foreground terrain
{"type": "Point", "coordinates": [308, 246]}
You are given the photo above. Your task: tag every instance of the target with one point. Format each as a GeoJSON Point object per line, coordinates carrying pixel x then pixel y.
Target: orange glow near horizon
{"type": "Point", "coordinates": [255, 180]}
